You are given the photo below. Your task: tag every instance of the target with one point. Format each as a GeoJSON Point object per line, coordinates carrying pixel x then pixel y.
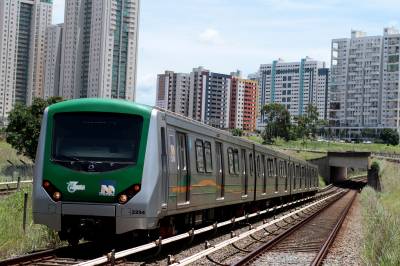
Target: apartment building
{"type": "Point", "coordinates": [23, 25]}
{"type": "Point", "coordinates": [53, 61]}
{"type": "Point", "coordinates": [243, 103]}
{"type": "Point", "coordinates": [198, 83]}
{"type": "Point", "coordinates": [216, 100]}
{"type": "Point", "coordinates": [99, 54]}
{"type": "Point", "coordinates": [364, 90]}
{"type": "Point", "coordinates": [220, 100]}
{"type": "Point", "coordinates": [173, 92]}
{"type": "Point", "coordinates": [295, 85]}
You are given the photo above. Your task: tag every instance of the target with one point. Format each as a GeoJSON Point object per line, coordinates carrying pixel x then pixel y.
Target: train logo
{"type": "Point", "coordinates": [107, 188]}
{"type": "Point", "coordinates": [73, 186]}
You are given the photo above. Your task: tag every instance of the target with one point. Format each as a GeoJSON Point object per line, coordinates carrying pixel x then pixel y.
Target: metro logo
{"type": "Point", "coordinates": [107, 190]}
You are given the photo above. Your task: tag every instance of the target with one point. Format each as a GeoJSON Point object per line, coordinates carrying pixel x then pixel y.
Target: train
{"type": "Point", "coordinates": [112, 167]}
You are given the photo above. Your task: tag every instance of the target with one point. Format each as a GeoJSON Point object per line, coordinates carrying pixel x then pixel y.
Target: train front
{"type": "Point", "coordinates": [89, 168]}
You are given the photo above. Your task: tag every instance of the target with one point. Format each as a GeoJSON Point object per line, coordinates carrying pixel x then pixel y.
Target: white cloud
{"type": "Point", "coordinates": [211, 36]}
{"type": "Point", "coordinates": [146, 89]}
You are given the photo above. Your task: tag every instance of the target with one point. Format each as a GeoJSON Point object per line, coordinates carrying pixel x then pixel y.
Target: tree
{"type": "Point", "coordinates": [308, 123]}
{"type": "Point", "coordinates": [237, 132]}
{"type": "Point", "coordinates": [22, 132]}
{"type": "Point", "coordinates": [278, 122]}
{"type": "Point", "coordinates": [390, 136]}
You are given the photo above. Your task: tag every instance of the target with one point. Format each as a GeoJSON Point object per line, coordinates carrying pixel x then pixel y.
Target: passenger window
{"type": "Point", "coordinates": [208, 156]}
{"type": "Point", "coordinates": [236, 161]}
{"type": "Point", "coordinates": [258, 166]}
{"type": "Point", "coordinates": [270, 168]}
{"type": "Point", "coordinates": [264, 174]}
{"type": "Point", "coordinates": [251, 162]}
{"type": "Point", "coordinates": [199, 156]}
{"type": "Point", "coordinates": [230, 161]}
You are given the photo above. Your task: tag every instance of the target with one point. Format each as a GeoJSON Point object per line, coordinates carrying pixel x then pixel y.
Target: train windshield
{"type": "Point", "coordinates": [100, 137]}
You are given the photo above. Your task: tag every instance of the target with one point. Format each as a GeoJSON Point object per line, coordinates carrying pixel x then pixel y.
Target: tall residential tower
{"type": "Point", "coordinates": [23, 25]}
{"type": "Point", "coordinates": [365, 91]}
{"type": "Point", "coordinates": [99, 55]}
{"type": "Point", "coordinates": [53, 61]}
{"type": "Point", "coordinates": [295, 85]}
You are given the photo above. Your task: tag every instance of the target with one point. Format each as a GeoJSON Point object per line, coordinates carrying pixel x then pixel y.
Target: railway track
{"type": "Point", "coordinates": [92, 254]}
{"type": "Point", "coordinates": [305, 243]}
{"type": "Point", "coordinates": [7, 188]}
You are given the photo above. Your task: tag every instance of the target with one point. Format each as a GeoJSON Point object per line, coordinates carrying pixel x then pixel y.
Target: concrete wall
{"type": "Point", "coordinates": [323, 167]}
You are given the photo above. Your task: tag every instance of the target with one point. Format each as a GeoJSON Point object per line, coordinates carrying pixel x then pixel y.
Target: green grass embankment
{"type": "Point", "coordinates": [13, 240]}
{"type": "Point", "coordinates": [381, 218]}
{"type": "Point", "coordinates": [329, 146]}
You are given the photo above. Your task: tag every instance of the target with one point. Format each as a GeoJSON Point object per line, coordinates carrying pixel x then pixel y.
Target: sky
{"type": "Point", "coordinates": [226, 35]}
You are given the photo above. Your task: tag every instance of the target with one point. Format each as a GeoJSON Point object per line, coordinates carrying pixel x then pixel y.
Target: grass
{"type": "Point", "coordinates": [381, 219]}
{"type": "Point", "coordinates": [13, 240]}
{"type": "Point", "coordinates": [329, 146]}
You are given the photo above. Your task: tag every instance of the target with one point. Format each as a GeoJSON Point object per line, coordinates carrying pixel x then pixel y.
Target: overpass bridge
{"type": "Point", "coordinates": [333, 167]}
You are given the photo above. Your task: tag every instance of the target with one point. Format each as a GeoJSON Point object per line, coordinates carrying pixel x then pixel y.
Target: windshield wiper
{"type": "Point", "coordinates": [68, 159]}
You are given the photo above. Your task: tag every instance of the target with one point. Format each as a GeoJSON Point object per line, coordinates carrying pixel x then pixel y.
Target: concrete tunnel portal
{"type": "Point", "coordinates": [334, 166]}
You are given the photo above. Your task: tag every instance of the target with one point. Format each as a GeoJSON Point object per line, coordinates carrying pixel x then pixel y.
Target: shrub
{"type": "Point", "coordinates": [390, 136]}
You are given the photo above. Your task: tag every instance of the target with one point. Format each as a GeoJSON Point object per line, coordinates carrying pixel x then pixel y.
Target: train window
{"type": "Point", "coordinates": [199, 156]}
{"type": "Point", "coordinates": [301, 176]}
{"type": "Point", "coordinates": [264, 174]}
{"type": "Point", "coordinates": [285, 170]}
{"type": "Point", "coordinates": [245, 181]}
{"type": "Point", "coordinates": [251, 164]}
{"type": "Point", "coordinates": [208, 156]}
{"type": "Point", "coordinates": [270, 168]}
{"type": "Point", "coordinates": [258, 169]}
{"type": "Point", "coordinates": [236, 165]}
{"type": "Point", "coordinates": [172, 152]}
{"type": "Point", "coordinates": [230, 161]}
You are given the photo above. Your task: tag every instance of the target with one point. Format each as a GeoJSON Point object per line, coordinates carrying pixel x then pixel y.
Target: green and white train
{"type": "Point", "coordinates": [112, 166]}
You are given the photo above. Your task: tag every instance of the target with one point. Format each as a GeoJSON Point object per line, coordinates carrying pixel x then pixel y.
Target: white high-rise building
{"type": "Point", "coordinates": [53, 61]}
{"type": "Point", "coordinates": [364, 90]}
{"type": "Point", "coordinates": [295, 85]}
{"type": "Point", "coordinates": [99, 55]}
{"type": "Point", "coordinates": [23, 26]}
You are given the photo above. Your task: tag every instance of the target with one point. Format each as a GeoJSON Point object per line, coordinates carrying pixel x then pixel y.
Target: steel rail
{"type": "Point", "coordinates": [214, 248]}
{"type": "Point", "coordinates": [276, 240]}
{"type": "Point", "coordinates": [191, 233]}
{"type": "Point", "coordinates": [16, 182]}
{"type": "Point", "coordinates": [329, 241]}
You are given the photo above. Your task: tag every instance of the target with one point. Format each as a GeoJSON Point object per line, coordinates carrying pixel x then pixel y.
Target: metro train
{"type": "Point", "coordinates": [112, 167]}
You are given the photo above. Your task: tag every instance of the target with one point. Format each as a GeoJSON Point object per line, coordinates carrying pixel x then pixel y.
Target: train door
{"type": "Point", "coordinates": [220, 170]}
{"type": "Point", "coordinates": [164, 166]}
{"type": "Point", "coordinates": [183, 169]}
{"type": "Point", "coordinates": [276, 168]}
{"type": "Point", "coordinates": [244, 173]}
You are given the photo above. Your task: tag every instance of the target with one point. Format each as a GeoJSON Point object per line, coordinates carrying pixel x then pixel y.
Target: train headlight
{"type": "Point", "coordinates": [129, 193]}
{"type": "Point", "coordinates": [122, 198]}
{"type": "Point", "coordinates": [51, 190]}
{"type": "Point", "coordinates": [46, 184]}
{"type": "Point", "coordinates": [56, 196]}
